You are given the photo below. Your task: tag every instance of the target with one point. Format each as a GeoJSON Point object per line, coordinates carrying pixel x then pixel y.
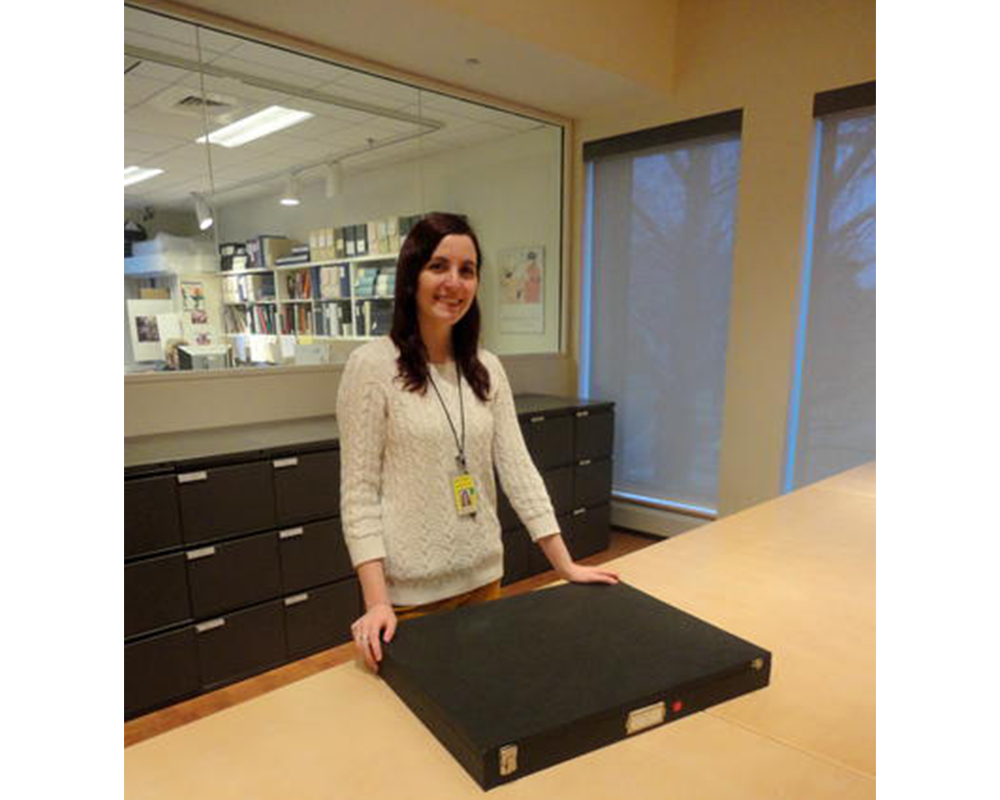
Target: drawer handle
{"type": "Point", "coordinates": [211, 625]}
{"type": "Point", "coordinates": [205, 552]}
{"type": "Point", "coordinates": [290, 533]}
{"type": "Point", "coordinates": [299, 598]}
{"type": "Point", "coordinates": [577, 512]}
{"type": "Point", "coordinates": [583, 413]}
{"type": "Point", "coordinates": [192, 477]}
{"type": "Point", "coordinates": [281, 463]}
{"type": "Point", "coordinates": [585, 462]}
{"type": "Point", "coordinates": [537, 419]}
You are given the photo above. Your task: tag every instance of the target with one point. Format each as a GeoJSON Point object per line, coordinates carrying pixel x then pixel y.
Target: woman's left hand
{"type": "Point", "coordinates": [578, 573]}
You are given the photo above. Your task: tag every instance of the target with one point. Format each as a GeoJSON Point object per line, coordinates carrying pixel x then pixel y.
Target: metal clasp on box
{"type": "Point", "coordinates": [508, 759]}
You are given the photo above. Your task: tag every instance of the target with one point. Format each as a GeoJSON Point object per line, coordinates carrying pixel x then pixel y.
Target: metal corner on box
{"type": "Point", "coordinates": [508, 759]}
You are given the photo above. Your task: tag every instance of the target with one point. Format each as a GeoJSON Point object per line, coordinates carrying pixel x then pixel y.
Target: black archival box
{"type": "Point", "coordinates": [520, 684]}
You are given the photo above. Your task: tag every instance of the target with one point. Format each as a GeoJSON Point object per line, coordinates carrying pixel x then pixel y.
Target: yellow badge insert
{"type": "Point", "coordinates": [466, 498]}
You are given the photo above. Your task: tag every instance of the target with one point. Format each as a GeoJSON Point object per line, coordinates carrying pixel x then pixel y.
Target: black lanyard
{"type": "Point", "coordinates": [460, 458]}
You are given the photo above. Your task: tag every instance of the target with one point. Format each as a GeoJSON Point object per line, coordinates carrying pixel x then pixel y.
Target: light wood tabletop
{"type": "Point", "coordinates": [795, 575]}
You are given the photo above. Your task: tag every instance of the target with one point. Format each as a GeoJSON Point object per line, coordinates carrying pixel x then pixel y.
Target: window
{"type": "Point", "coordinates": [267, 193]}
{"type": "Point", "coordinates": [832, 408]}
{"type": "Point", "coordinates": [658, 253]}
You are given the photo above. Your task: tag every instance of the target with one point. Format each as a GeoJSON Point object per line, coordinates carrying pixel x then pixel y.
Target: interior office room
{"type": "Point", "coordinates": [675, 202]}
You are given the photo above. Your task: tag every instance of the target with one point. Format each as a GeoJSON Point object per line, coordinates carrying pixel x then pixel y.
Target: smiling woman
{"type": "Point", "coordinates": [426, 419]}
{"type": "Point", "coordinates": [284, 184]}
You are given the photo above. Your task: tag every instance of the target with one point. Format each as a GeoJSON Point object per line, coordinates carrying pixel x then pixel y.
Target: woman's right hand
{"type": "Point", "coordinates": [367, 632]}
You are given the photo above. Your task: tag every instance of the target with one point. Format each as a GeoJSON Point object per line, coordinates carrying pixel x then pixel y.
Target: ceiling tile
{"type": "Point", "coordinates": [150, 142]}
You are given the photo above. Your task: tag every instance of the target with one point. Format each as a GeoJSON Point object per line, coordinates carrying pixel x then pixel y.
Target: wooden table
{"type": "Point", "coordinates": [795, 575]}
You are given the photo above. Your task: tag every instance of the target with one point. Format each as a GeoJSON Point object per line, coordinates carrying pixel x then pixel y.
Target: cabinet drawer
{"type": "Point", "coordinates": [559, 483]}
{"type": "Point", "coordinates": [593, 434]}
{"type": "Point", "coordinates": [241, 644]}
{"type": "Point", "coordinates": [307, 487]}
{"type": "Point", "coordinates": [313, 554]}
{"type": "Point", "coordinates": [549, 440]}
{"type": "Point", "coordinates": [156, 594]}
{"type": "Point", "coordinates": [591, 483]}
{"type": "Point", "coordinates": [321, 617]}
{"type": "Point", "coordinates": [515, 555]}
{"type": "Point", "coordinates": [152, 518]}
{"type": "Point", "coordinates": [159, 671]}
{"type": "Point", "coordinates": [589, 531]}
{"type": "Point", "coordinates": [233, 574]}
{"type": "Point", "coordinates": [226, 500]}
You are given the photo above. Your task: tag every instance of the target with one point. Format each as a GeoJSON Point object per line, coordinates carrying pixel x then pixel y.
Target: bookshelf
{"type": "Point", "coordinates": [341, 298]}
{"type": "Point", "coordinates": [279, 293]}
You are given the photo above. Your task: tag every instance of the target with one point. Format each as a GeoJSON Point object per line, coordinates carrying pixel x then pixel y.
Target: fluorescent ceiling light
{"type": "Point", "coordinates": [270, 120]}
{"type": "Point", "coordinates": [136, 174]}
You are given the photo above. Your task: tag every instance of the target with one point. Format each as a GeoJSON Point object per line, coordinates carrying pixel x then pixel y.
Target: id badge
{"type": "Point", "coordinates": [466, 499]}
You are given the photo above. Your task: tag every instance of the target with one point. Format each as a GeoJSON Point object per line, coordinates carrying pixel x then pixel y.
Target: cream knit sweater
{"type": "Point", "coordinates": [397, 465]}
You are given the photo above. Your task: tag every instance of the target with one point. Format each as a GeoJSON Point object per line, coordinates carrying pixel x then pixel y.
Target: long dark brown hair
{"type": "Point", "coordinates": [416, 251]}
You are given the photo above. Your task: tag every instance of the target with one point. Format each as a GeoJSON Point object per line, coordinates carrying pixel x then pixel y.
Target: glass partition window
{"type": "Point", "coordinates": [267, 194]}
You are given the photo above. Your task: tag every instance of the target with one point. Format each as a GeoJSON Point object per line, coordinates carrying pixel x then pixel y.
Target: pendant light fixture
{"type": "Point", "coordinates": [290, 197]}
{"type": "Point", "coordinates": [201, 208]}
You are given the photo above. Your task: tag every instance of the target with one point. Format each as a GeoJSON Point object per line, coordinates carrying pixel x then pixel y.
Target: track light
{"type": "Point", "coordinates": [204, 213]}
{"type": "Point", "coordinates": [291, 194]}
{"type": "Point", "coordinates": [334, 179]}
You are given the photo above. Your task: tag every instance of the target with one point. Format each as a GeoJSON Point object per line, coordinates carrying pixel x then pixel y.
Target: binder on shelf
{"type": "Point", "coordinates": [364, 285]}
{"type": "Point", "coordinates": [264, 249]}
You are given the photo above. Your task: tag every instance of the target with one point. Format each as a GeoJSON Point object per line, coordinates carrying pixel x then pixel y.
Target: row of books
{"type": "Point", "coordinates": [297, 319]}
{"type": "Point", "coordinates": [373, 318]}
{"type": "Point", "coordinates": [256, 319]}
{"type": "Point", "coordinates": [376, 237]}
{"type": "Point", "coordinates": [335, 282]}
{"type": "Point", "coordinates": [247, 288]}
{"type": "Point", "coordinates": [299, 285]}
{"type": "Point", "coordinates": [334, 319]}
{"type": "Point", "coordinates": [375, 281]}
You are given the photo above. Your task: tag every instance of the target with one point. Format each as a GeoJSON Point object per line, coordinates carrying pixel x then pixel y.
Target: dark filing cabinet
{"type": "Point", "coordinates": [235, 561]}
{"type": "Point", "coordinates": [571, 442]}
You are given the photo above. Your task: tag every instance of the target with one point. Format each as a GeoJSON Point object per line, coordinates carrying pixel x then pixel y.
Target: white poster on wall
{"type": "Point", "coordinates": [522, 298]}
{"type": "Point", "coordinates": [147, 341]}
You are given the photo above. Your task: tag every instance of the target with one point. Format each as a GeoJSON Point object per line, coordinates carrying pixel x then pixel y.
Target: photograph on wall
{"type": "Point", "coordinates": [522, 278]}
{"type": "Point", "coordinates": [146, 330]}
{"type": "Point", "coordinates": [144, 327]}
{"type": "Point", "coordinates": [193, 296]}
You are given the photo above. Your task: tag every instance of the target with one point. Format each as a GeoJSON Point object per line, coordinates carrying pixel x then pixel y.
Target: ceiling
{"type": "Point", "coordinates": [365, 121]}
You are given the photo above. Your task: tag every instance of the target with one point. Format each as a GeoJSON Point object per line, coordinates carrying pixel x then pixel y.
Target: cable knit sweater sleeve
{"type": "Point", "coordinates": [518, 474]}
{"type": "Point", "coordinates": [362, 421]}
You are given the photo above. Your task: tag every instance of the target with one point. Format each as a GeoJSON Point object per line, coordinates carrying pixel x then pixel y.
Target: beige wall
{"type": "Point", "coordinates": [766, 56]}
